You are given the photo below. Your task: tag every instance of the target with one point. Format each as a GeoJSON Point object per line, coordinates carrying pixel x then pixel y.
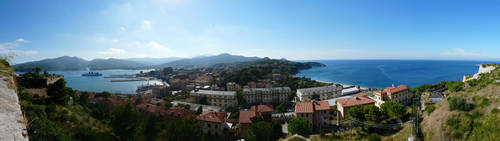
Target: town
{"type": "Point", "coordinates": [231, 104]}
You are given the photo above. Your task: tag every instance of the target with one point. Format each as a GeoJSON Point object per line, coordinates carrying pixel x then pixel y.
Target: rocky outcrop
{"type": "Point", "coordinates": [12, 121]}
{"type": "Point", "coordinates": [483, 68]}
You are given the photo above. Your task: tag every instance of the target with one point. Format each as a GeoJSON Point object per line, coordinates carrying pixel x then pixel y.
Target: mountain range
{"type": "Point", "coordinates": [76, 63]}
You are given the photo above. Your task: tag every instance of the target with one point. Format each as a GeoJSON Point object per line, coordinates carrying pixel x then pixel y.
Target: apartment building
{"type": "Point", "coordinates": [266, 95]}
{"type": "Point", "coordinates": [223, 99]}
{"type": "Point", "coordinates": [397, 94]}
{"type": "Point", "coordinates": [322, 93]}
{"type": "Point", "coordinates": [316, 112]}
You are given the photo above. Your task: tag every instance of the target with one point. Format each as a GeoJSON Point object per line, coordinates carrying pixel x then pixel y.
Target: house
{"type": "Point", "coordinates": [343, 104]}
{"type": "Point", "coordinates": [316, 112]}
{"type": "Point", "coordinates": [256, 113]}
{"type": "Point", "coordinates": [213, 123]}
{"type": "Point", "coordinates": [177, 112]}
{"type": "Point", "coordinates": [232, 86]}
{"type": "Point", "coordinates": [322, 93]}
{"type": "Point", "coordinates": [397, 94]}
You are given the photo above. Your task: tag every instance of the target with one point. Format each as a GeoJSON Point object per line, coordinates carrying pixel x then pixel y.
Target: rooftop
{"type": "Point", "coordinates": [246, 115]}
{"type": "Point", "coordinates": [304, 107]}
{"type": "Point", "coordinates": [305, 90]}
{"type": "Point", "coordinates": [209, 92]}
{"type": "Point", "coordinates": [354, 101]}
{"type": "Point", "coordinates": [321, 105]}
{"type": "Point", "coordinates": [178, 112]}
{"type": "Point", "coordinates": [391, 90]}
{"type": "Point", "coordinates": [212, 116]}
{"type": "Point", "coordinates": [262, 108]}
{"type": "Point", "coordinates": [267, 89]}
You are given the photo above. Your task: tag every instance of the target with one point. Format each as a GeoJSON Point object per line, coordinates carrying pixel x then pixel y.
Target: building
{"type": "Point", "coordinates": [323, 93]}
{"type": "Point", "coordinates": [231, 86]}
{"type": "Point", "coordinates": [223, 99]}
{"type": "Point", "coordinates": [316, 112]}
{"type": "Point", "coordinates": [343, 104]}
{"type": "Point", "coordinates": [266, 95]}
{"type": "Point", "coordinates": [398, 94]}
{"type": "Point", "coordinates": [213, 123]}
{"type": "Point", "coordinates": [161, 91]}
{"type": "Point", "coordinates": [431, 98]}
{"type": "Point", "coordinates": [256, 113]}
{"type": "Point", "coordinates": [177, 112]}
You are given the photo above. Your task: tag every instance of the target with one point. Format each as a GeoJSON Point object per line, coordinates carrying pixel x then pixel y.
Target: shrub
{"type": "Point", "coordinates": [454, 86]}
{"type": "Point", "coordinates": [430, 109]}
{"type": "Point", "coordinates": [459, 103]}
{"type": "Point", "coordinates": [374, 137]}
{"type": "Point", "coordinates": [299, 125]}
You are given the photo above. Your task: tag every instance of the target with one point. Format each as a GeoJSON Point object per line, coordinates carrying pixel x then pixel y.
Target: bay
{"type": "Point", "coordinates": [384, 73]}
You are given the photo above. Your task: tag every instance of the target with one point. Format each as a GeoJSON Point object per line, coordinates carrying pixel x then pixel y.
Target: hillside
{"type": "Point", "coordinates": [75, 63]}
{"type": "Point", "coordinates": [207, 61]}
{"type": "Point", "coordinates": [468, 112]}
{"type": "Point", "coordinates": [154, 61]}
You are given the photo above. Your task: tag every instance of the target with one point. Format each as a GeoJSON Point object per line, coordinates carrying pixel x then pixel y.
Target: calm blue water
{"type": "Point", "coordinates": [75, 80]}
{"type": "Point", "coordinates": [384, 73]}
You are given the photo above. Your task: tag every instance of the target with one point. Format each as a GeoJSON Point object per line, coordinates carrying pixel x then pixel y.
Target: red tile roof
{"type": "Point", "coordinates": [392, 90]}
{"type": "Point", "coordinates": [246, 115]}
{"type": "Point", "coordinates": [354, 101]}
{"type": "Point", "coordinates": [178, 112]}
{"type": "Point", "coordinates": [262, 108]}
{"type": "Point", "coordinates": [321, 105]}
{"type": "Point", "coordinates": [212, 116]}
{"type": "Point", "coordinates": [304, 107]}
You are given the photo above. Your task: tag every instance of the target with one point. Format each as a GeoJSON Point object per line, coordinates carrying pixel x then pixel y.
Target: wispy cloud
{"type": "Point", "coordinates": [146, 25]}
{"type": "Point", "coordinates": [6, 48]}
{"type": "Point", "coordinates": [113, 51]}
{"type": "Point", "coordinates": [458, 52]}
{"type": "Point", "coordinates": [123, 29]}
{"type": "Point", "coordinates": [157, 46]}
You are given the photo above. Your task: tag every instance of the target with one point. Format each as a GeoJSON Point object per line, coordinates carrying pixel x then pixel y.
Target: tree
{"type": "Point", "coordinates": [299, 125]}
{"type": "Point", "coordinates": [126, 123]}
{"type": "Point", "coordinates": [183, 130]}
{"type": "Point", "coordinates": [59, 93]}
{"type": "Point", "coordinates": [454, 86]}
{"type": "Point", "coordinates": [199, 110]}
{"type": "Point", "coordinates": [459, 103]}
{"type": "Point", "coordinates": [203, 101]}
{"type": "Point", "coordinates": [277, 131]}
{"type": "Point", "coordinates": [152, 127]}
{"type": "Point", "coordinates": [241, 100]}
{"type": "Point", "coordinates": [281, 107]}
{"type": "Point", "coordinates": [260, 131]}
{"type": "Point", "coordinates": [393, 109]}
{"type": "Point", "coordinates": [83, 99]}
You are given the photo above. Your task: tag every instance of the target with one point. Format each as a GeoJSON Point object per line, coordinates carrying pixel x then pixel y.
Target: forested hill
{"type": "Point", "coordinates": [242, 73]}
{"type": "Point", "coordinates": [75, 63]}
{"type": "Point", "coordinates": [207, 61]}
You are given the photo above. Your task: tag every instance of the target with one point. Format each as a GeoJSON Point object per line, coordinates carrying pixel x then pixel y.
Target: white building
{"type": "Point", "coordinates": [323, 93]}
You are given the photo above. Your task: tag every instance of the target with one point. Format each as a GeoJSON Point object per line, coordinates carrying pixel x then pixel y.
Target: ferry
{"type": "Point", "coordinates": [92, 74]}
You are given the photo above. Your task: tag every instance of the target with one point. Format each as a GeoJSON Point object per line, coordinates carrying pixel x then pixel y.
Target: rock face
{"type": "Point", "coordinates": [482, 69]}
{"type": "Point", "coordinates": [12, 122]}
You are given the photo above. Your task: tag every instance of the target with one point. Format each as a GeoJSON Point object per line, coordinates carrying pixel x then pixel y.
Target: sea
{"type": "Point", "coordinates": [75, 80]}
{"type": "Point", "coordinates": [385, 73]}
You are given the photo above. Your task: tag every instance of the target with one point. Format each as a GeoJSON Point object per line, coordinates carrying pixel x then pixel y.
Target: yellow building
{"type": "Point", "coordinates": [216, 98]}
{"type": "Point", "coordinates": [397, 94]}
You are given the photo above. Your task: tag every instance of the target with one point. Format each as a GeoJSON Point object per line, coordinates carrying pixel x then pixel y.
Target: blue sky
{"type": "Point", "coordinates": [297, 30]}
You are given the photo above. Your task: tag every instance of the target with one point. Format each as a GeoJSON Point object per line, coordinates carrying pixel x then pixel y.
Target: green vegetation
{"type": "Point", "coordinates": [393, 109]}
{"type": "Point", "coordinates": [57, 118]}
{"type": "Point", "coordinates": [33, 79]}
{"type": "Point", "coordinates": [454, 86]}
{"type": "Point", "coordinates": [369, 113]}
{"type": "Point", "coordinates": [264, 131]}
{"type": "Point", "coordinates": [264, 68]}
{"type": "Point", "coordinates": [260, 131]}
{"type": "Point", "coordinates": [459, 103]}
{"type": "Point", "coordinates": [429, 109]}
{"type": "Point", "coordinates": [439, 87]}
{"type": "Point", "coordinates": [299, 125]}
